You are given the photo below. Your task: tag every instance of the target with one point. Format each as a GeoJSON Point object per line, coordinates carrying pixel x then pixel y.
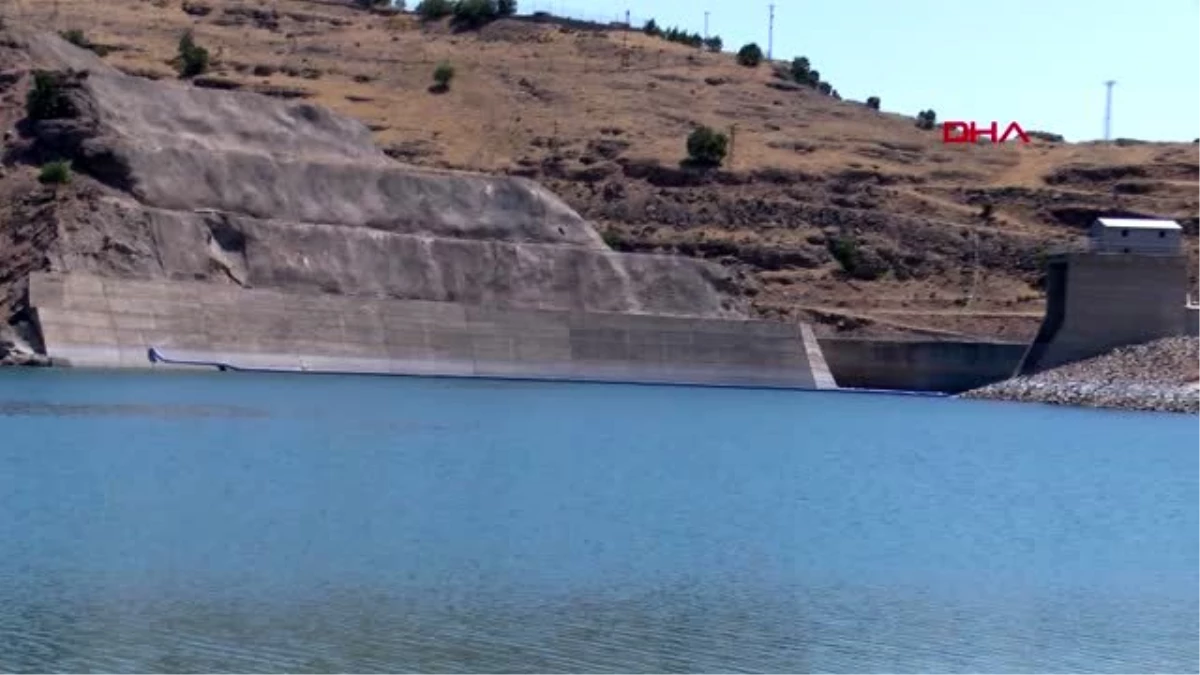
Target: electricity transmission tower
{"type": "Point", "coordinates": [1108, 109]}
{"type": "Point", "coordinates": [771, 32]}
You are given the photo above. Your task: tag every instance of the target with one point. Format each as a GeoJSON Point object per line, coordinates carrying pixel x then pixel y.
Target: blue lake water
{"type": "Point", "coordinates": [236, 522]}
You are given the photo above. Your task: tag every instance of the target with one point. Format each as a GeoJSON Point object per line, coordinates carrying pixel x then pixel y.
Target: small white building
{"type": "Point", "coordinates": [1130, 235]}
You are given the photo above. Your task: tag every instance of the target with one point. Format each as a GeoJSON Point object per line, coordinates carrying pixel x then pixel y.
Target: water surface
{"type": "Point", "coordinates": [236, 522]}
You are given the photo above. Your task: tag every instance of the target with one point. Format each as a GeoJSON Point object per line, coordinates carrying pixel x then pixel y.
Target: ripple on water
{"type": "Point", "coordinates": [41, 408]}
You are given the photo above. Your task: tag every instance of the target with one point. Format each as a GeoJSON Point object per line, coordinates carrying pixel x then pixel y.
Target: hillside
{"type": "Point", "coordinates": [600, 118]}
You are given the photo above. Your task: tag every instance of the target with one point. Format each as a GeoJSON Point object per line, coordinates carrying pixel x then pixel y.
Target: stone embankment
{"type": "Point", "coordinates": [1157, 376]}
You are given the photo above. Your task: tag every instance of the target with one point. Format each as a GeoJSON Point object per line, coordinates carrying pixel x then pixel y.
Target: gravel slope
{"type": "Point", "coordinates": [1163, 376]}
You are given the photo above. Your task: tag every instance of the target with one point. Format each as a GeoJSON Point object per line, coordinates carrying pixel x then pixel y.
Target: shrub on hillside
{"type": "Point", "coordinates": [801, 72]}
{"type": "Point", "coordinates": [714, 43]}
{"type": "Point", "coordinates": [750, 55]}
{"type": "Point", "coordinates": [926, 119]}
{"type": "Point", "coordinates": [46, 99]}
{"type": "Point", "coordinates": [857, 261]}
{"type": "Point", "coordinates": [800, 69]}
{"type": "Point", "coordinates": [79, 39]}
{"type": "Point", "coordinates": [680, 35]}
{"type": "Point", "coordinates": [192, 59]}
{"type": "Point", "coordinates": [472, 14]}
{"type": "Point", "coordinates": [873, 103]}
{"type": "Point", "coordinates": [1046, 136]}
{"type": "Point", "coordinates": [683, 37]}
{"type": "Point", "coordinates": [442, 75]}
{"type": "Point", "coordinates": [432, 10]}
{"type": "Point", "coordinates": [707, 147]}
{"type": "Point", "coordinates": [55, 173]}
{"type": "Point", "coordinates": [75, 37]}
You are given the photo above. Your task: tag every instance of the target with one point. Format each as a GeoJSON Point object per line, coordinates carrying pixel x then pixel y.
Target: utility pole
{"type": "Point", "coordinates": [771, 33]}
{"type": "Point", "coordinates": [1108, 110]}
{"type": "Point", "coordinates": [732, 139]}
{"type": "Point", "coordinates": [706, 25]}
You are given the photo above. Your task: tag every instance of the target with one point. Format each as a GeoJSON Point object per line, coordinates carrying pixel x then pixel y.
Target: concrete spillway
{"type": "Point", "coordinates": [98, 322]}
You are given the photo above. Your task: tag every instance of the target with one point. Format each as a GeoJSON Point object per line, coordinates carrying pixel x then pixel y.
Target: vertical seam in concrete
{"type": "Point", "coordinates": [822, 377]}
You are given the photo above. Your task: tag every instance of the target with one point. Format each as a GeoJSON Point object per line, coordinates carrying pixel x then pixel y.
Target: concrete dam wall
{"type": "Point", "coordinates": [96, 322]}
{"type": "Point", "coordinates": [925, 365]}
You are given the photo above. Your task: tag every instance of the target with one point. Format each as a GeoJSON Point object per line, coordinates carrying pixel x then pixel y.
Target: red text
{"type": "Point", "coordinates": [969, 132]}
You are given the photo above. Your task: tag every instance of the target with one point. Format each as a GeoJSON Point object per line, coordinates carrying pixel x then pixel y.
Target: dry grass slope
{"type": "Point", "coordinates": [827, 210]}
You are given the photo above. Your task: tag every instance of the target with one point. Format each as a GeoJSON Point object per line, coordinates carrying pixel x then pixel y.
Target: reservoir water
{"type": "Point", "coordinates": [236, 522]}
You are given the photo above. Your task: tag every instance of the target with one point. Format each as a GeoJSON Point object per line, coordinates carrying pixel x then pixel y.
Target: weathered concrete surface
{"type": "Point", "coordinates": [258, 253]}
{"type": "Point", "coordinates": [180, 147]}
{"type": "Point", "coordinates": [92, 321]}
{"type": "Point", "coordinates": [240, 189]}
{"type": "Point", "coordinates": [231, 227]}
{"type": "Point", "coordinates": [942, 366]}
{"type": "Point", "coordinates": [1096, 302]}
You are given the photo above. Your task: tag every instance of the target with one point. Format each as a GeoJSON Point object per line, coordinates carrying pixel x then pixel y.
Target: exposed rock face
{"type": "Point", "coordinates": [1156, 376]}
{"type": "Point", "coordinates": [232, 187]}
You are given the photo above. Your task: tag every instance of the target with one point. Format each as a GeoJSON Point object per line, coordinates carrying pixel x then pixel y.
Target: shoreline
{"type": "Point", "coordinates": [1158, 376]}
{"type": "Point", "coordinates": [1126, 396]}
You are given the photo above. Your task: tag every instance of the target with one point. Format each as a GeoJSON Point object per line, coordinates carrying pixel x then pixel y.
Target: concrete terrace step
{"type": "Point", "coordinates": [90, 321]}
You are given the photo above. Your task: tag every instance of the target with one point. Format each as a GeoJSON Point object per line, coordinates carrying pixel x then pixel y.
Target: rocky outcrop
{"type": "Point", "coordinates": [1156, 376]}
{"type": "Point", "coordinates": [180, 182]}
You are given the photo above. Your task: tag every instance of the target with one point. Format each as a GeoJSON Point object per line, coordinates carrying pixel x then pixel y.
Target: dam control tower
{"type": "Point", "coordinates": [1127, 286]}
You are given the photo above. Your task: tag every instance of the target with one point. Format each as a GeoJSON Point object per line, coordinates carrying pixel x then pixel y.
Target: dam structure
{"type": "Point", "coordinates": [228, 227]}
{"type": "Point", "coordinates": [1127, 286]}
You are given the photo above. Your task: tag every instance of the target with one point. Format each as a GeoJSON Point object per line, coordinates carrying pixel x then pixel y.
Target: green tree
{"type": "Point", "coordinates": [46, 99]}
{"type": "Point", "coordinates": [55, 173]}
{"type": "Point", "coordinates": [750, 55]}
{"type": "Point", "coordinates": [506, 7]}
{"type": "Point", "coordinates": [707, 147]}
{"type": "Point", "coordinates": [442, 75]}
{"type": "Point", "coordinates": [651, 28]}
{"type": "Point", "coordinates": [926, 119]}
{"type": "Point", "coordinates": [76, 37]}
{"type": "Point", "coordinates": [192, 59]}
{"type": "Point", "coordinates": [800, 68]}
{"type": "Point", "coordinates": [470, 14]}
{"type": "Point", "coordinates": [714, 43]}
{"type": "Point", "coordinates": [873, 103]}
{"type": "Point", "coordinates": [432, 10]}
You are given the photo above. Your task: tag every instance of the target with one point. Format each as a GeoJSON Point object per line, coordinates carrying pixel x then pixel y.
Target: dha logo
{"type": "Point", "coordinates": [968, 132]}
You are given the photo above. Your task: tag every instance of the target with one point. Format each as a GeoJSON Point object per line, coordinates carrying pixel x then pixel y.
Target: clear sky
{"type": "Point", "coordinates": [1042, 63]}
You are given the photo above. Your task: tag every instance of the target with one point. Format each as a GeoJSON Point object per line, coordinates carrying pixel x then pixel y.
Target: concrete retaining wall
{"type": "Point", "coordinates": [950, 367]}
{"type": "Point", "coordinates": [1096, 302]}
{"type": "Point", "coordinates": [97, 322]}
